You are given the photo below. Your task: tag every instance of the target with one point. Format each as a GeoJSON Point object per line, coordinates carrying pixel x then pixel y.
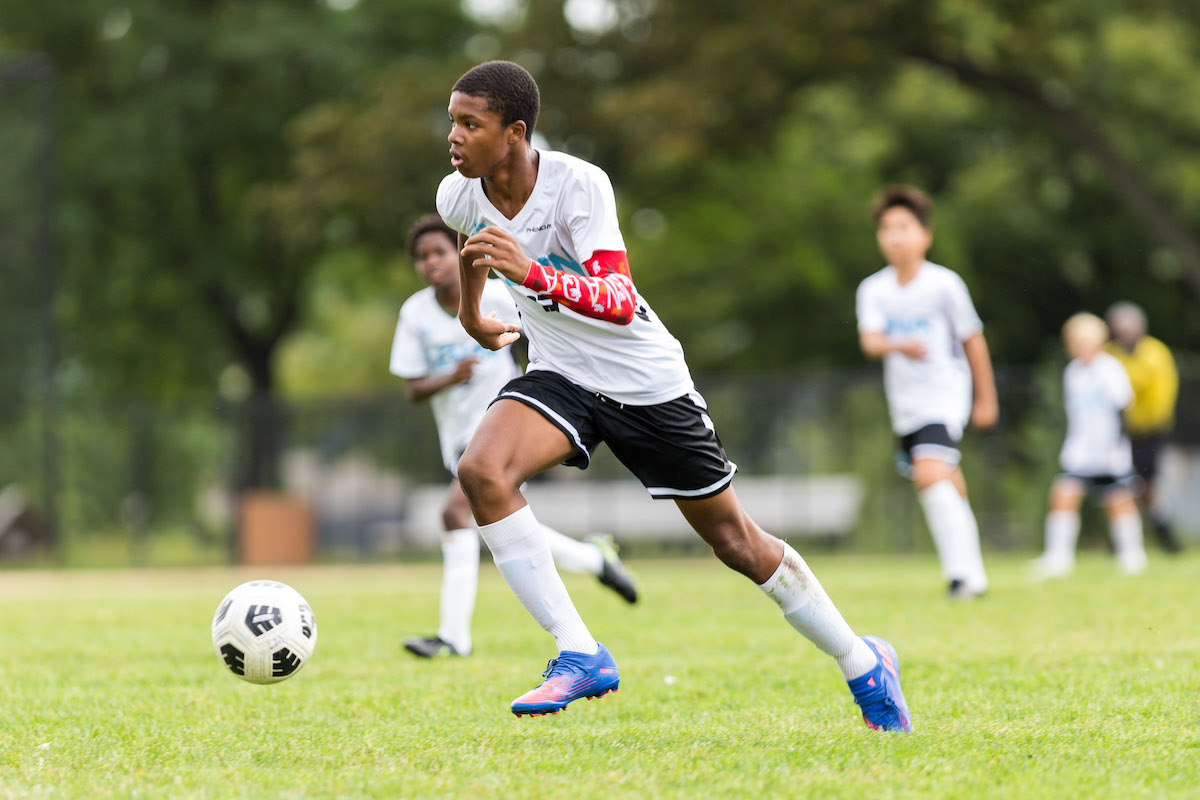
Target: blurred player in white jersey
{"type": "Point", "coordinates": [444, 365]}
{"type": "Point", "coordinates": [1096, 455]}
{"type": "Point", "coordinates": [918, 317]}
{"type": "Point", "coordinates": [603, 368]}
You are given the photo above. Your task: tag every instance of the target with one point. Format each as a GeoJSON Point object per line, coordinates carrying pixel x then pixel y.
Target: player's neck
{"type": "Point", "coordinates": [511, 185]}
{"type": "Point", "coordinates": [907, 270]}
{"type": "Point", "coordinates": [447, 298]}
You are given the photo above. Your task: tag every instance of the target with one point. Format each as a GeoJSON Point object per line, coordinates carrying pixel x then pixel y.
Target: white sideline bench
{"type": "Point", "coordinates": [788, 506]}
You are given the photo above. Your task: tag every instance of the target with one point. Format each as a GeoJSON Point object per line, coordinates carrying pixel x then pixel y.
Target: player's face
{"type": "Point", "coordinates": [903, 240]}
{"type": "Point", "coordinates": [478, 141]}
{"type": "Point", "coordinates": [437, 259]}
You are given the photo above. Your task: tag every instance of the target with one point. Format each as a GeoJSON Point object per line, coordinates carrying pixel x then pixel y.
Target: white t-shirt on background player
{"type": "Point", "coordinates": [571, 214]}
{"type": "Point", "coordinates": [430, 342]}
{"type": "Point", "coordinates": [934, 308]}
{"type": "Point", "coordinates": [1095, 393]}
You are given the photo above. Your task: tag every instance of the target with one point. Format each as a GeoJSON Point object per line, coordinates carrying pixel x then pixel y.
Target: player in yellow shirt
{"type": "Point", "coordinates": [1149, 418]}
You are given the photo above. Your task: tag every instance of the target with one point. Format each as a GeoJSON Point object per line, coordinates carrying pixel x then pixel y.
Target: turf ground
{"type": "Point", "coordinates": [1081, 688]}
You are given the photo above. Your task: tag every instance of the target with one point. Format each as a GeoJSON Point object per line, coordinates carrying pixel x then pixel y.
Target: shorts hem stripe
{"type": "Point", "coordinates": [666, 493]}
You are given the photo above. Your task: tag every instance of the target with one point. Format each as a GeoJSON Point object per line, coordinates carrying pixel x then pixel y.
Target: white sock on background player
{"type": "Point", "coordinates": [572, 554]}
{"type": "Point", "coordinates": [1062, 532]}
{"type": "Point", "coordinates": [1126, 532]}
{"type": "Point", "coordinates": [808, 609]}
{"type": "Point", "coordinates": [460, 577]}
{"type": "Point", "coordinates": [522, 555]}
{"type": "Point", "coordinates": [955, 533]}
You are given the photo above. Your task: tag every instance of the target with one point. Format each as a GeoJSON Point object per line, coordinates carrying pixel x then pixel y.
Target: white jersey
{"type": "Point", "coordinates": [1095, 394]}
{"type": "Point", "coordinates": [571, 214]}
{"type": "Point", "coordinates": [430, 342]}
{"type": "Point", "coordinates": [935, 308]}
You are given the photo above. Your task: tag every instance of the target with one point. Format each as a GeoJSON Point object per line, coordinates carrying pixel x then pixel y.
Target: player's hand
{"type": "Point", "coordinates": [494, 333]}
{"type": "Point", "coordinates": [984, 413]}
{"type": "Point", "coordinates": [504, 253]}
{"type": "Point", "coordinates": [913, 348]}
{"type": "Point", "coordinates": [464, 370]}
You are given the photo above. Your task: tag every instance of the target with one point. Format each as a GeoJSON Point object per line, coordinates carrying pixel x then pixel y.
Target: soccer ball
{"type": "Point", "coordinates": [264, 631]}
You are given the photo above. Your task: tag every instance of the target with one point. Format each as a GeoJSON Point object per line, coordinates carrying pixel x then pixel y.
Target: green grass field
{"type": "Point", "coordinates": [1081, 688]}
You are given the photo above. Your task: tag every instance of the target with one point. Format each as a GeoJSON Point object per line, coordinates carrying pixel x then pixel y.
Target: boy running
{"type": "Point", "coordinates": [602, 368]}
{"type": "Point", "coordinates": [918, 317]}
{"type": "Point", "coordinates": [459, 378]}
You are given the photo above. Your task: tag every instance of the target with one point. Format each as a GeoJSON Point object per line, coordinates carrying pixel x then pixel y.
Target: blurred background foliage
{"type": "Point", "coordinates": [236, 177]}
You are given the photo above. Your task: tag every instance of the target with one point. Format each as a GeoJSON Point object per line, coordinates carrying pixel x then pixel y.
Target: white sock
{"type": "Point", "coordinates": [522, 555]}
{"type": "Point", "coordinates": [1126, 531]}
{"type": "Point", "coordinates": [971, 553]}
{"type": "Point", "coordinates": [1062, 532]}
{"type": "Point", "coordinates": [809, 610]}
{"type": "Point", "coordinates": [955, 533]}
{"type": "Point", "coordinates": [460, 575]}
{"type": "Point", "coordinates": [572, 554]}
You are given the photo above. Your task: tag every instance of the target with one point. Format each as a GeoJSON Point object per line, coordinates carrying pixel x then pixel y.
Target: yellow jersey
{"type": "Point", "coordinates": [1155, 383]}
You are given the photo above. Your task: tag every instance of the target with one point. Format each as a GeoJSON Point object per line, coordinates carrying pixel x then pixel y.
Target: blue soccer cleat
{"type": "Point", "coordinates": [569, 677]}
{"type": "Point", "coordinates": [878, 692]}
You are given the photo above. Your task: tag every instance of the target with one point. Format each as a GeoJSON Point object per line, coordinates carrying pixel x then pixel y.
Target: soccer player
{"type": "Point", "coordinates": [602, 368]}
{"type": "Point", "coordinates": [445, 366]}
{"type": "Point", "coordinates": [918, 317]}
{"type": "Point", "coordinates": [1149, 418]}
{"type": "Point", "coordinates": [1095, 455]}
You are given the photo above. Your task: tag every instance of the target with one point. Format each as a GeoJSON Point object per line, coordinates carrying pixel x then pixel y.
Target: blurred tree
{"type": "Point", "coordinates": [181, 266]}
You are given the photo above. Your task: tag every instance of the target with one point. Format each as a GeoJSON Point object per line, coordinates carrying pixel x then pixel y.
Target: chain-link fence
{"type": "Point", "coordinates": [151, 484]}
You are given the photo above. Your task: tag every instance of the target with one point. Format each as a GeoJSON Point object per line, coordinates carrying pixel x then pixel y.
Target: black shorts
{"type": "Point", "coordinates": [1145, 453]}
{"type": "Point", "coordinates": [930, 441]}
{"type": "Point", "coordinates": [1101, 484]}
{"type": "Point", "coordinates": [672, 447]}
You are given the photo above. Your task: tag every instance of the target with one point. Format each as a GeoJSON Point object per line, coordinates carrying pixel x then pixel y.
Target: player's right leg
{"type": "Point", "coordinates": [460, 577]}
{"type": "Point", "coordinates": [1062, 528]}
{"type": "Point", "coordinates": [513, 442]}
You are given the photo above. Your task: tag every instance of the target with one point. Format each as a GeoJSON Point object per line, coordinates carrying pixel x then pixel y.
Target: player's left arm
{"type": "Point", "coordinates": [607, 293]}
{"type": "Point", "coordinates": [985, 409]}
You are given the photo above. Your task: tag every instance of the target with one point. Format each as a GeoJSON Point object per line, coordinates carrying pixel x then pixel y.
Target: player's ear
{"type": "Point", "coordinates": [516, 131]}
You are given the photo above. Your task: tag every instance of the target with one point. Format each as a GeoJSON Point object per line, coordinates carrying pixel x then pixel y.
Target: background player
{"type": "Point", "coordinates": [918, 317]}
{"type": "Point", "coordinates": [444, 365]}
{"type": "Point", "coordinates": [1095, 455]}
{"type": "Point", "coordinates": [602, 368]}
{"type": "Point", "coordinates": [1149, 418]}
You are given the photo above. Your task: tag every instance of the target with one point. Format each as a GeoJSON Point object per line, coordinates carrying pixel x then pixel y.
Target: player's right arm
{"type": "Point", "coordinates": [872, 327]}
{"type": "Point", "coordinates": [489, 331]}
{"type": "Point", "coordinates": [420, 389]}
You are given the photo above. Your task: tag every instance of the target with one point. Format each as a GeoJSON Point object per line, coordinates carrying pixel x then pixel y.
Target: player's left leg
{"type": "Point", "coordinates": [868, 664]}
{"type": "Point", "coordinates": [595, 555]}
{"type": "Point", "coordinates": [1125, 527]}
{"type": "Point", "coordinates": [942, 492]}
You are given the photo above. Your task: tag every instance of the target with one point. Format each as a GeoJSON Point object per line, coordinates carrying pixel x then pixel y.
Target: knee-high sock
{"type": "Point", "coordinates": [1062, 532]}
{"type": "Point", "coordinates": [1126, 531]}
{"type": "Point", "coordinates": [460, 576]}
{"type": "Point", "coordinates": [955, 533]}
{"type": "Point", "coordinates": [806, 606]}
{"type": "Point", "coordinates": [573, 555]}
{"type": "Point", "coordinates": [522, 555]}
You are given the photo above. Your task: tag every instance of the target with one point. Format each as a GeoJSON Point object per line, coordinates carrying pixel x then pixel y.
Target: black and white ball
{"type": "Point", "coordinates": [264, 631]}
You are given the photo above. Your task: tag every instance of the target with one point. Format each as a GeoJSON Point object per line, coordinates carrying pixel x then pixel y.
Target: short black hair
{"type": "Point", "coordinates": [509, 89]}
{"type": "Point", "coordinates": [909, 197]}
{"type": "Point", "coordinates": [430, 223]}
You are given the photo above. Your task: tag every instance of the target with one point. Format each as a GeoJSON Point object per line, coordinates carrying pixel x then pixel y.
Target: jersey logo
{"type": "Point", "coordinates": [546, 303]}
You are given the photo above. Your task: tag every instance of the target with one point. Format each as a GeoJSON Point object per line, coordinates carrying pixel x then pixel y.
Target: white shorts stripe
{"type": "Point", "coordinates": [940, 452]}
{"type": "Point", "coordinates": [662, 491]}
